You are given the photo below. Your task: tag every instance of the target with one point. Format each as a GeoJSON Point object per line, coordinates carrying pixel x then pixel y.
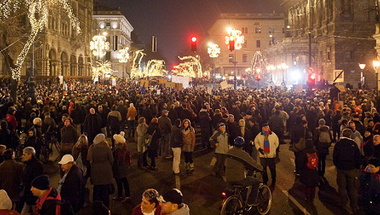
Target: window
{"type": "Point", "coordinates": [258, 30]}
{"type": "Point", "coordinates": [245, 58]}
{"type": "Point", "coordinates": [115, 43]}
{"type": "Point", "coordinates": [258, 45]}
{"type": "Point", "coordinates": [108, 25]}
{"type": "Point", "coordinates": [231, 58]}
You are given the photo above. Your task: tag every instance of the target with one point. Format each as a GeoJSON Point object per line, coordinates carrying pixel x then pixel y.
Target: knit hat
{"type": "Point", "coordinates": [174, 196]}
{"type": "Point", "coordinates": [5, 201]}
{"type": "Point", "coordinates": [119, 137]}
{"type": "Point", "coordinates": [99, 138]}
{"type": "Point", "coordinates": [41, 182]}
{"type": "Point", "coordinates": [374, 161]}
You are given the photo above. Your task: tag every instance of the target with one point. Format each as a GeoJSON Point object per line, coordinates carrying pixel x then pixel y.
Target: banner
{"type": "Point", "coordinates": [224, 85]}
{"type": "Point", "coordinates": [183, 80]}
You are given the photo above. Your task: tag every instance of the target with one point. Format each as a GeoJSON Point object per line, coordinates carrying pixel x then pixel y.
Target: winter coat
{"type": "Point", "coordinates": [73, 189]}
{"type": "Point", "coordinates": [346, 154]}
{"type": "Point", "coordinates": [92, 125]}
{"type": "Point", "coordinates": [101, 164]}
{"type": "Point", "coordinates": [46, 205]}
{"type": "Point", "coordinates": [78, 116]}
{"type": "Point", "coordinates": [11, 178]}
{"type": "Point", "coordinates": [6, 138]}
{"type": "Point", "coordinates": [113, 119]}
{"type": "Point", "coordinates": [141, 136]}
{"type": "Point", "coordinates": [119, 167]}
{"type": "Point", "coordinates": [188, 140]}
{"type": "Point", "coordinates": [184, 210]}
{"type": "Point", "coordinates": [273, 144]}
{"type": "Point", "coordinates": [131, 114]}
{"type": "Point", "coordinates": [276, 123]}
{"type": "Point", "coordinates": [69, 134]}
{"type": "Point", "coordinates": [204, 119]}
{"type": "Point", "coordinates": [309, 177]}
{"type": "Point", "coordinates": [222, 140]}
{"type": "Point", "coordinates": [12, 122]}
{"type": "Point", "coordinates": [155, 143]}
{"type": "Point", "coordinates": [165, 124]}
{"type": "Point", "coordinates": [32, 169]}
{"type": "Point", "coordinates": [322, 148]}
{"type": "Point", "coordinates": [176, 139]}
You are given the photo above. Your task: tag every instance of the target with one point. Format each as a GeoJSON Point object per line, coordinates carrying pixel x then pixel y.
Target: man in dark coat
{"type": "Point", "coordinates": [232, 129]}
{"type": "Point", "coordinates": [205, 122]}
{"type": "Point", "coordinates": [276, 123]}
{"type": "Point", "coordinates": [165, 126]}
{"type": "Point", "coordinates": [92, 125]}
{"type": "Point", "coordinates": [32, 169]}
{"type": "Point", "coordinates": [334, 92]}
{"type": "Point", "coordinates": [71, 185]}
{"type": "Point", "coordinates": [11, 175]}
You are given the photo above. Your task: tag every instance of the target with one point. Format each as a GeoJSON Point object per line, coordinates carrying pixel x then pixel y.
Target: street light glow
{"type": "Point", "coordinates": [362, 66]}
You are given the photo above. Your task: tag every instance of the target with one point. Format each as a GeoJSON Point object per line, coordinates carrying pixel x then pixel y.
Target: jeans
{"type": "Point", "coordinates": [348, 184]}
{"type": "Point", "coordinates": [102, 193]}
{"type": "Point", "coordinates": [219, 165]}
{"type": "Point", "coordinates": [131, 128]}
{"type": "Point", "coordinates": [164, 145]}
{"type": "Point", "coordinates": [120, 182]}
{"type": "Point", "coordinates": [268, 162]}
{"type": "Point", "coordinates": [176, 159]}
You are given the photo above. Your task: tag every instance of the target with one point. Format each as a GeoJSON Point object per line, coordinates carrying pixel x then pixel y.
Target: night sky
{"type": "Point", "coordinates": [175, 21]}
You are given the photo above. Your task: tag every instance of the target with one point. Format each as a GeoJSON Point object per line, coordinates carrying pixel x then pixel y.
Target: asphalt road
{"type": "Point", "coordinates": [202, 192]}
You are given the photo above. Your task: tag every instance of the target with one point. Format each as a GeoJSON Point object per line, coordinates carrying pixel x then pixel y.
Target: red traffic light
{"type": "Point", "coordinates": [194, 39]}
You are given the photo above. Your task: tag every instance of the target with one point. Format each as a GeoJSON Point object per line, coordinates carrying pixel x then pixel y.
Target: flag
{"type": "Point", "coordinates": [143, 89]}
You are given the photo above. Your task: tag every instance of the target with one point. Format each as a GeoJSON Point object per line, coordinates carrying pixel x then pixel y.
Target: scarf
{"type": "Point", "coordinates": [40, 202]}
{"type": "Point", "coordinates": [266, 142]}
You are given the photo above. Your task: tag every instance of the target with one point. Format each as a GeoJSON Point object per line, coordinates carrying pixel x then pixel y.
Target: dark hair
{"type": "Point", "coordinates": [8, 154]}
{"type": "Point", "coordinates": [177, 122]}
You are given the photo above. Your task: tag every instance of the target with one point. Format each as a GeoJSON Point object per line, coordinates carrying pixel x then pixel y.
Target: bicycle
{"type": "Point", "coordinates": [236, 204]}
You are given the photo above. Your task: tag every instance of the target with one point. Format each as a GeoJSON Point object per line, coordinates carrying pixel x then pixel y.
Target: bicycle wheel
{"type": "Point", "coordinates": [232, 206]}
{"type": "Point", "coordinates": [264, 199]}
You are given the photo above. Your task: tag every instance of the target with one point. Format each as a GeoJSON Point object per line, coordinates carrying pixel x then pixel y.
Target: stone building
{"type": "Point", "coordinates": [260, 31]}
{"type": "Point", "coordinates": [112, 23]}
{"type": "Point", "coordinates": [341, 38]}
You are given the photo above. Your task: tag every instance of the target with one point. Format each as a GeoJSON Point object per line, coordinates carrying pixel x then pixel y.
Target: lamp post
{"type": "Point", "coordinates": [213, 51]}
{"type": "Point", "coordinates": [235, 41]}
{"type": "Point", "coordinates": [123, 56]}
{"type": "Point", "coordinates": [376, 65]}
{"type": "Point", "coordinates": [362, 67]}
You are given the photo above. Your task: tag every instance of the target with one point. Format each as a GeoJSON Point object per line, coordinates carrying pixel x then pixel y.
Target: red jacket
{"type": "Point", "coordinates": [12, 122]}
{"type": "Point", "coordinates": [137, 210]}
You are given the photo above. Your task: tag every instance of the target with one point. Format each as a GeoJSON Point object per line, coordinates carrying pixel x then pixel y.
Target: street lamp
{"type": "Point", "coordinates": [123, 56]}
{"type": "Point", "coordinates": [235, 41]}
{"type": "Point", "coordinates": [376, 65]}
{"type": "Point", "coordinates": [362, 67]}
{"type": "Point", "coordinates": [271, 68]}
{"type": "Point", "coordinates": [213, 51]}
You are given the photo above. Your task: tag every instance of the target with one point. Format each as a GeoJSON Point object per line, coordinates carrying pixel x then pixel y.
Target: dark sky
{"type": "Point", "coordinates": [175, 21]}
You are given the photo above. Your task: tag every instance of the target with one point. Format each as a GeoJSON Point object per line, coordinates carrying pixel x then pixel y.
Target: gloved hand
{"type": "Point", "coordinates": [261, 151]}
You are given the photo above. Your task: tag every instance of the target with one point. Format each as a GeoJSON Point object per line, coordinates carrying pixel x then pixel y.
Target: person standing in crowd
{"type": "Point", "coordinates": [277, 125]}
{"type": "Point", "coordinates": [11, 119]}
{"type": "Point", "coordinates": [376, 146]}
{"type": "Point", "coordinates": [205, 122]}
{"type": "Point", "coordinates": [335, 125]}
{"type": "Point", "coordinates": [46, 195]}
{"type": "Point", "coordinates": [71, 186]}
{"type": "Point", "coordinates": [309, 170]}
{"type": "Point", "coordinates": [188, 133]}
{"type": "Point", "coordinates": [149, 203]}
{"type": "Point", "coordinates": [114, 122]}
{"type": "Point", "coordinates": [103, 113]}
{"type": "Point", "coordinates": [232, 129]}
{"type": "Point", "coordinates": [69, 137]}
{"type": "Point", "coordinates": [5, 135]}
{"type": "Point", "coordinates": [78, 117]}
{"type": "Point", "coordinates": [176, 142]}
{"type": "Point", "coordinates": [219, 140]}
{"type": "Point", "coordinates": [131, 119]}
{"type": "Point", "coordinates": [347, 161]}
{"type": "Point", "coordinates": [356, 136]}
{"type": "Point", "coordinates": [172, 203]}
{"type": "Point", "coordinates": [165, 126]}
{"type": "Point", "coordinates": [120, 167]}
{"type": "Point", "coordinates": [266, 144]}
{"type": "Point", "coordinates": [154, 142]}
{"type": "Point", "coordinates": [323, 141]}
{"type": "Point", "coordinates": [140, 137]}
{"type": "Point", "coordinates": [33, 141]}
{"type": "Point", "coordinates": [370, 187]}
{"type": "Point", "coordinates": [11, 176]}
{"type": "Point", "coordinates": [6, 204]}
{"type": "Point", "coordinates": [247, 135]}
{"type": "Point", "coordinates": [33, 168]}
{"type": "Point", "coordinates": [101, 159]}
{"type": "Point", "coordinates": [92, 125]}
{"type": "Point", "coordinates": [297, 135]}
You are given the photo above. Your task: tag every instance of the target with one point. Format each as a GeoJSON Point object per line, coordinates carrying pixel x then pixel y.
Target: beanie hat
{"type": "Point", "coordinates": [99, 138]}
{"type": "Point", "coordinates": [119, 137]}
{"type": "Point", "coordinates": [5, 201]}
{"type": "Point", "coordinates": [41, 182]}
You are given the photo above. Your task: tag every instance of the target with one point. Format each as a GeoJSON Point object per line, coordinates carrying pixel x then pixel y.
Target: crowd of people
{"type": "Point", "coordinates": [163, 122]}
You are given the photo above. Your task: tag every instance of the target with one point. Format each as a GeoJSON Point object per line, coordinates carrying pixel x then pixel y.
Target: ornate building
{"type": "Point", "coordinates": [341, 37]}
{"type": "Point", "coordinates": [260, 31]}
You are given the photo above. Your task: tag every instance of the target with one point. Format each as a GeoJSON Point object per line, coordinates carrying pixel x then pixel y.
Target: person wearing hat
{"type": "Point", "coordinates": [47, 196]}
{"type": "Point", "coordinates": [172, 203]}
{"type": "Point", "coordinates": [120, 166]}
{"type": "Point", "coordinates": [101, 159]}
{"type": "Point", "coordinates": [266, 143]}
{"type": "Point", "coordinates": [370, 187]}
{"type": "Point", "coordinates": [149, 203]}
{"type": "Point", "coordinates": [6, 204]}
{"type": "Point", "coordinates": [33, 168]}
{"type": "Point", "coordinates": [219, 140]}
{"type": "Point", "coordinates": [71, 186]}
{"type": "Point", "coordinates": [238, 162]}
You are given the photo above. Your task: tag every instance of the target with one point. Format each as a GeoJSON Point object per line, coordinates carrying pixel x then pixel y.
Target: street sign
{"type": "Point", "coordinates": [338, 76]}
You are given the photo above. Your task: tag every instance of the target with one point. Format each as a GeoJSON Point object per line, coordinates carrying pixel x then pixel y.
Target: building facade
{"type": "Point", "coordinates": [341, 38]}
{"type": "Point", "coordinates": [117, 29]}
{"type": "Point", "coordinates": [260, 31]}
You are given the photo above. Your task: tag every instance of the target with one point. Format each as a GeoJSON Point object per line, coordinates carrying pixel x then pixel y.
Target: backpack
{"type": "Point", "coordinates": [324, 137]}
{"type": "Point", "coordinates": [312, 160]}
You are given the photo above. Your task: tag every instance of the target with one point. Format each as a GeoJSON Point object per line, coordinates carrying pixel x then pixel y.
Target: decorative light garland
{"type": "Point", "coordinates": [136, 69]}
{"type": "Point", "coordinates": [190, 68]}
{"type": "Point", "coordinates": [155, 68]}
{"type": "Point", "coordinates": [99, 46]}
{"type": "Point", "coordinates": [213, 50]}
{"type": "Point", "coordinates": [123, 55]}
{"type": "Point", "coordinates": [40, 8]}
{"type": "Point", "coordinates": [102, 69]}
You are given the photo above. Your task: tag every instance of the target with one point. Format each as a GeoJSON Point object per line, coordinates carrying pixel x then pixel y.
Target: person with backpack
{"type": "Point", "coordinates": [309, 170]}
{"type": "Point", "coordinates": [323, 142]}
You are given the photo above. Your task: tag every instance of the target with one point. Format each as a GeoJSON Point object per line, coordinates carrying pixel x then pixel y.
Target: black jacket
{"type": "Point", "coordinates": [32, 169]}
{"type": "Point", "coordinates": [154, 145]}
{"type": "Point", "coordinates": [73, 188]}
{"type": "Point", "coordinates": [346, 154]}
{"type": "Point", "coordinates": [176, 139]}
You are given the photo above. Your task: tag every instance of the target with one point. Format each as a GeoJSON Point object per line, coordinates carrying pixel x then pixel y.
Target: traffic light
{"type": "Point", "coordinates": [193, 44]}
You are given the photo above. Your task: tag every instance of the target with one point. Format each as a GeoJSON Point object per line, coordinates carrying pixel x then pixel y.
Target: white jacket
{"type": "Point", "coordinates": [273, 144]}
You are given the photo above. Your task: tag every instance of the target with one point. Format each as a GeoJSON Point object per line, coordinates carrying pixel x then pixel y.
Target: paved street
{"type": "Point", "coordinates": [203, 192]}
